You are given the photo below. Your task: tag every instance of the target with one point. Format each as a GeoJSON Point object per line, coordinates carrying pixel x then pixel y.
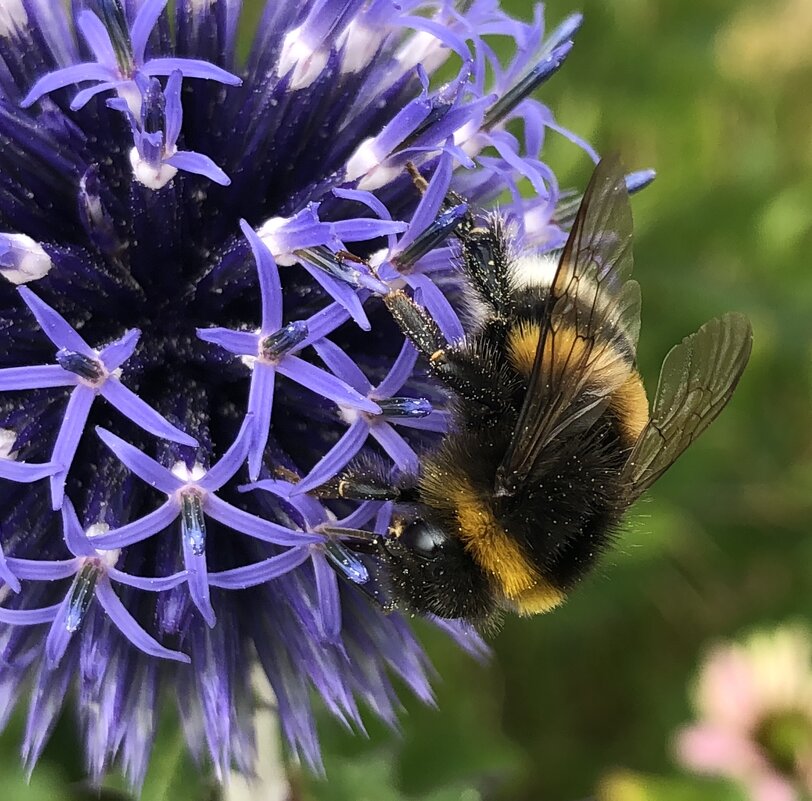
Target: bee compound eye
{"type": "Point", "coordinates": [422, 539]}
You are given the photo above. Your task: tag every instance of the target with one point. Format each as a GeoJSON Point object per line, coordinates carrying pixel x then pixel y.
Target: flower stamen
{"type": "Point", "coordinates": [274, 346]}
{"type": "Point", "coordinates": [80, 596]}
{"type": "Point", "coordinates": [345, 560]}
{"type": "Point", "coordinates": [437, 232]}
{"type": "Point", "coordinates": [525, 86]}
{"type": "Point", "coordinates": [116, 24]}
{"type": "Point", "coordinates": [410, 408]}
{"type": "Point", "coordinates": [89, 370]}
{"type": "Point", "coordinates": [193, 522]}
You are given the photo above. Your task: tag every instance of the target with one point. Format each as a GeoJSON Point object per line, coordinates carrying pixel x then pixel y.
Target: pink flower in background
{"type": "Point", "coordinates": [754, 703]}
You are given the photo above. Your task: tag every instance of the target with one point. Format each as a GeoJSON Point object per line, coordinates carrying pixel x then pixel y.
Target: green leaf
{"type": "Point", "coordinates": [44, 784]}
{"type": "Point", "coordinates": [445, 754]}
{"type": "Point", "coordinates": [370, 779]}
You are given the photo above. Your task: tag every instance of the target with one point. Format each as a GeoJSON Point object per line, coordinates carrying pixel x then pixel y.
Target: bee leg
{"type": "Point", "coordinates": [449, 363]}
{"type": "Point", "coordinates": [368, 482]}
{"type": "Point", "coordinates": [416, 323]}
{"type": "Point", "coordinates": [485, 251]}
{"type": "Point", "coordinates": [356, 488]}
{"type": "Point", "coordinates": [486, 262]}
{"type": "Point", "coordinates": [452, 198]}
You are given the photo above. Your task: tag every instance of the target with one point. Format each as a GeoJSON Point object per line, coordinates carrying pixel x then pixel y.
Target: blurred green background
{"type": "Point", "coordinates": [714, 94]}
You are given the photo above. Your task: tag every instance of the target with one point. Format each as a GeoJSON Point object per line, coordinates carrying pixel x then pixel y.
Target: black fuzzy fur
{"type": "Point", "coordinates": [564, 514]}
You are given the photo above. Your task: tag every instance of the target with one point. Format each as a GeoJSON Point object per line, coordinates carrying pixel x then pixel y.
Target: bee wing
{"type": "Point", "coordinates": [697, 380]}
{"type": "Point", "coordinates": [591, 324]}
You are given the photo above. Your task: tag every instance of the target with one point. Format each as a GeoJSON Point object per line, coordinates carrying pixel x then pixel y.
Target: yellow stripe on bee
{"type": "Point", "coordinates": [523, 340]}
{"type": "Point", "coordinates": [610, 369]}
{"type": "Point", "coordinates": [539, 599]}
{"type": "Point", "coordinates": [566, 350]}
{"type": "Point", "coordinates": [630, 404]}
{"type": "Point", "coordinates": [499, 555]}
{"type": "Point", "coordinates": [490, 545]}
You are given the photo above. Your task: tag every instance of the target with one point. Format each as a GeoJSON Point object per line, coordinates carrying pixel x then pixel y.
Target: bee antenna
{"type": "Point", "coordinates": [420, 183]}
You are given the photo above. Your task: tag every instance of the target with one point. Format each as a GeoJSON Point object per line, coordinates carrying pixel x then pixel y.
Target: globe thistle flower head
{"type": "Point", "coordinates": [754, 701]}
{"type": "Point", "coordinates": [193, 251]}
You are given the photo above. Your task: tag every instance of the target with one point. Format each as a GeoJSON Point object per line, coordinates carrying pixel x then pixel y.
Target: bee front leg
{"type": "Point", "coordinates": [453, 365]}
{"type": "Point", "coordinates": [486, 259]}
{"type": "Point", "coordinates": [486, 252]}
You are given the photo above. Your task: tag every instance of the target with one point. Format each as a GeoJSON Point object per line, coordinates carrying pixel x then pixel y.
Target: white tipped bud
{"type": "Point", "coordinates": [362, 160]}
{"type": "Point", "coordinates": [96, 530]}
{"type": "Point", "coordinates": [13, 17]}
{"type": "Point", "coordinates": [268, 234]}
{"type": "Point", "coordinates": [468, 139]}
{"type": "Point", "coordinates": [131, 95]}
{"type": "Point", "coordinates": [378, 177]}
{"type": "Point", "coordinates": [348, 415]}
{"type": "Point", "coordinates": [107, 558]}
{"type": "Point", "coordinates": [7, 440]}
{"type": "Point", "coordinates": [22, 259]}
{"type": "Point", "coordinates": [423, 48]}
{"type": "Point", "coordinates": [359, 45]}
{"type": "Point", "coordinates": [147, 174]}
{"type": "Point", "coordinates": [297, 55]}
{"type": "Point", "coordinates": [181, 471]}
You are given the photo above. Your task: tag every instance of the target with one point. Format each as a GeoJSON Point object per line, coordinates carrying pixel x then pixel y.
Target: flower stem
{"type": "Point", "coordinates": [270, 780]}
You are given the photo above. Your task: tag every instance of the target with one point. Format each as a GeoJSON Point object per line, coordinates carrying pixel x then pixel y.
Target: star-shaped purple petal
{"type": "Point", "coordinates": [90, 373]}
{"type": "Point", "coordinates": [155, 158]}
{"type": "Point", "coordinates": [327, 556]}
{"type": "Point", "coordinates": [395, 411]}
{"type": "Point", "coordinates": [112, 70]}
{"type": "Point", "coordinates": [191, 498]}
{"type": "Point", "coordinates": [272, 351]}
{"type": "Point", "coordinates": [93, 572]}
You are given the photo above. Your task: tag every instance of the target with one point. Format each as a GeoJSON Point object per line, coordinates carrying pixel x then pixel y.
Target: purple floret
{"type": "Point", "coordinates": [120, 58]}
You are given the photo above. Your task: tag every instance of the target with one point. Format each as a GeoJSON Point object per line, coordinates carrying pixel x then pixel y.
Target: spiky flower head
{"type": "Point", "coordinates": [183, 326]}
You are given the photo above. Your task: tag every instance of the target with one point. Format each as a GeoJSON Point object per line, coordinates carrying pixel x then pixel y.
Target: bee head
{"type": "Point", "coordinates": [430, 572]}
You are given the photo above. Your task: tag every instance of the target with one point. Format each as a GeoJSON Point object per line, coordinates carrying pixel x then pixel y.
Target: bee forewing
{"type": "Point", "coordinates": [590, 329]}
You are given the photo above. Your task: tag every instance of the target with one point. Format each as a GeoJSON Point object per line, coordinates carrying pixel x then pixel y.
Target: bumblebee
{"type": "Point", "coordinates": [552, 438]}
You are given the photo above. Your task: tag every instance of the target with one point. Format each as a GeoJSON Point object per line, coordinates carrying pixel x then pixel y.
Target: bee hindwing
{"type": "Point", "coordinates": [697, 379]}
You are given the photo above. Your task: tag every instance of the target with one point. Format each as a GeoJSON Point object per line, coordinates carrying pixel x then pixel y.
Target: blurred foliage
{"type": "Point", "coordinates": [626, 786]}
{"type": "Point", "coordinates": [715, 95]}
